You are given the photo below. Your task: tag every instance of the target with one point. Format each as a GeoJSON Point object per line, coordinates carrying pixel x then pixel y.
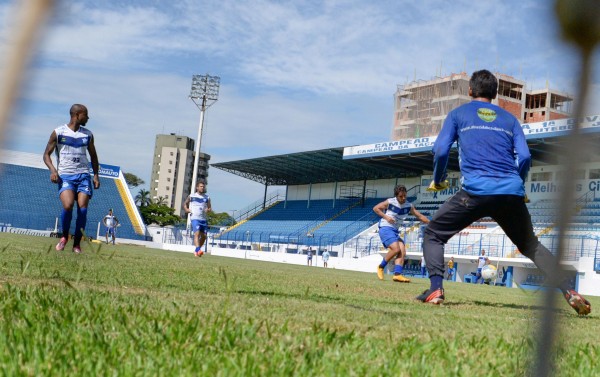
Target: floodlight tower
{"type": "Point", "coordinates": [205, 92]}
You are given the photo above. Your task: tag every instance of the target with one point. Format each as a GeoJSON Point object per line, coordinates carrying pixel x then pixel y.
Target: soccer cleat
{"type": "Point", "coordinates": [77, 249]}
{"type": "Point", "coordinates": [401, 279]}
{"type": "Point", "coordinates": [199, 253]}
{"type": "Point", "coordinates": [432, 297]}
{"type": "Point", "coordinates": [60, 246]}
{"type": "Point", "coordinates": [380, 272]}
{"type": "Point", "coordinates": [577, 302]}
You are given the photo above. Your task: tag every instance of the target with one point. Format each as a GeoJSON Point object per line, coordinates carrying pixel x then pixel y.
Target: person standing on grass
{"type": "Point", "coordinates": [72, 142]}
{"type": "Point", "coordinates": [110, 222]}
{"type": "Point", "coordinates": [198, 205]}
{"type": "Point", "coordinates": [309, 256]}
{"type": "Point", "coordinates": [494, 162]}
{"type": "Point", "coordinates": [450, 268]}
{"type": "Point", "coordinates": [481, 261]}
{"type": "Point", "coordinates": [325, 257]}
{"type": "Point", "coordinates": [392, 212]}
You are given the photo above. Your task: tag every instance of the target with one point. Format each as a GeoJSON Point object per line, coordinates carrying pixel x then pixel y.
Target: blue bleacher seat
{"type": "Point", "coordinates": [29, 200]}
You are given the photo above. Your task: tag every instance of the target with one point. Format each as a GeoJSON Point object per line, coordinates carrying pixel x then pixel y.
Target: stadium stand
{"type": "Point", "coordinates": [301, 221]}
{"type": "Point", "coordinates": [28, 200]}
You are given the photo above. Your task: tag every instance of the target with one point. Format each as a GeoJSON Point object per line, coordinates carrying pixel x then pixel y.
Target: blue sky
{"type": "Point", "coordinates": [295, 75]}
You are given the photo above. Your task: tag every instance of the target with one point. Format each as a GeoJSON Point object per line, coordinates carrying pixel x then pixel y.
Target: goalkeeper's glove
{"type": "Point", "coordinates": [438, 186]}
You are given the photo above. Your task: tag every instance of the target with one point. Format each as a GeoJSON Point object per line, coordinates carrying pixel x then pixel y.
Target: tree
{"type": "Point", "coordinates": [142, 198]}
{"type": "Point", "coordinates": [162, 215]}
{"type": "Point", "coordinates": [133, 180]}
{"type": "Point", "coordinates": [161, 201]}
{"type": "Point", "coordinates": [220, 219]}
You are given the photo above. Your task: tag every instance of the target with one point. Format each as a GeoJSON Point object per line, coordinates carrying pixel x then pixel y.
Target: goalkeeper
{"type": "Point", "coordinates": [494, 162]}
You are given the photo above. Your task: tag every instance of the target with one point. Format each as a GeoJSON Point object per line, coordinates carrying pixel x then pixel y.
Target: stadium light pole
{"type": "Point", "coordinates": [204, 92]}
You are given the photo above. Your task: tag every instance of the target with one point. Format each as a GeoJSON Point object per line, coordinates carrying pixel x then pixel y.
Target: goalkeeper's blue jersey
{"type": "Point", "coordinates": [493, 154]}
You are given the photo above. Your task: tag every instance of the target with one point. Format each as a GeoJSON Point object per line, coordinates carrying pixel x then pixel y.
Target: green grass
{"type": "Point", "coordinates": [129, 310]}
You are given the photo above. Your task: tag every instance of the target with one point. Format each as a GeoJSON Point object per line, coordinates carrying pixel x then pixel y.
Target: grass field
{"type": "Point", "coordinates": [128, 310]}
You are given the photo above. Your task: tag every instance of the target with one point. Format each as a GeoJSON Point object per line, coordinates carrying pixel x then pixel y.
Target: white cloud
{"type": "Point", "coordinates": [295, 75]}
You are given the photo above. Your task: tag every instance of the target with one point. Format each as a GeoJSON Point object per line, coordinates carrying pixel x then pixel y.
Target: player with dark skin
{"type": "Point", "coordinates": [79, 118]}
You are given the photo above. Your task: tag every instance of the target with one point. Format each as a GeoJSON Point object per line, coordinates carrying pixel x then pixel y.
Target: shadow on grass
{"type": "Point", "coordinates": [560, 308]}
{"type": "Point", "coordinates": [368, 306]}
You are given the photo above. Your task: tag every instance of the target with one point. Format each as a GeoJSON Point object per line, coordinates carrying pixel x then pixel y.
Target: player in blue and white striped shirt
{"type": "Point", "coordinates": [198, 205]}
{"type": "Point", "coordinates": [72, 142]}
{"type": "Point", "coordinates": [393, 211]}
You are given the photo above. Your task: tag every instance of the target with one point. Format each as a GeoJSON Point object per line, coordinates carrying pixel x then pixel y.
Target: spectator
{"type": "Point", "coordinates": [111, 223]}
{"type": "Point", "coordinates": [482, 261]}
{"type": "Point", "coordinates": [309, 256]}
{"type": "Point", "coordinates": [450, 268]}
{"type": "Point", "coordinates": [325, 256]}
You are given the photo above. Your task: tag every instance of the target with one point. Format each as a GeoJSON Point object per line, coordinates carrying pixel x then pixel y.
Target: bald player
{"type": "Point", "coordinates": [71, 143]}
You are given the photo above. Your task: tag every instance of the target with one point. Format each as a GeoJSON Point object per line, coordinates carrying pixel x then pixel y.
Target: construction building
{"type": "Point", "coordinates": [172, 170]}
{"type": "Point", "coordinates": [421, 106]}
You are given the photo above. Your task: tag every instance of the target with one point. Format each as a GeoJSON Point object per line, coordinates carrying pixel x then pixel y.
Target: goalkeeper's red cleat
{"type": "Point", "coordinates": [577, 302]}
{"type": "Point", "coordinates": [429, 296]}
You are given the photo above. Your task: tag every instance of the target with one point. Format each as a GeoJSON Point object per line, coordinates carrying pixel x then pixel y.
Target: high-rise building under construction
{"type": "Point", "coordinates": [421, 106]}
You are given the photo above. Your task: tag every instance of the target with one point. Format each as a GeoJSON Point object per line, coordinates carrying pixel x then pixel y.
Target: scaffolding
{"type": "Point", "coordinates": [422, 105]}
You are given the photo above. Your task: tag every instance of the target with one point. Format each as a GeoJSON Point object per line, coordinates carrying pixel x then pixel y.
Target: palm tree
{"type": "Point", "coordinates": [161, 201]}
{"type": "Point", "coordinates": [142, 198]}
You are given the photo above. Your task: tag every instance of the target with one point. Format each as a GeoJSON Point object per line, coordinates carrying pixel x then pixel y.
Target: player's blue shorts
{"type": "Point", "coordinates": [388, 235]}
{"type": "Point", "coordinates": [110, 230]}
{"type": "Point", "coordinates": [199, 226]}
{"type": "Point", "coordinates": [76, 183]}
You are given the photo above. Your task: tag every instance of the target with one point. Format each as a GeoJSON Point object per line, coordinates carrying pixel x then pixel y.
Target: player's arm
{"type": "Point", "coordinates": [95, 164]}
{"type": "Point", "coordinates": [422, 218]}
{"type": "Point", "coordinates": [523, 156]}
{"type": "Point", "coordinates": [441, 148]}
{"type": "Point", "coordinates": [186, 205]}
{"type": "Point", "coordinates": [104, 221]}
{"type": "Point", "coordinates": [208, 206]}
{"type": "Point", "coordinates": [47, 156]}
{"type": "Point", "coordinates": [380, 209]}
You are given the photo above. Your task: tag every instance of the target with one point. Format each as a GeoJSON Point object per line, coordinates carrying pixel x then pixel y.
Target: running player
{"type": "Point", "coordinates": [198, 204]}
{"type": "Point", "coordinates": [393, 211]}
{"type": "Point", "coordinates": [72, 142]}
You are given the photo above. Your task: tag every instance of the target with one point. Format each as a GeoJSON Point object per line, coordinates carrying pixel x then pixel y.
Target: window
{"type": "Point", "coordinates": [169, 170]}
{"type": "Point", "coordinates": [170, 162]}
{"type": "Point", "coordinates": [579, 174]}
{"type": "Point", "coordinates": [541, 176]}
{"type": "Point", "coordinates": [168, 179]}
{"type": "Point", "coordinates": [171, 153]}
{"type": "Point", "coordinates": [594, 174]}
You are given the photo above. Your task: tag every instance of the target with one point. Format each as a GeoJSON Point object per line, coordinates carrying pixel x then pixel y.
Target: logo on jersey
{"type": "Point", "coordinates": [487, 115]}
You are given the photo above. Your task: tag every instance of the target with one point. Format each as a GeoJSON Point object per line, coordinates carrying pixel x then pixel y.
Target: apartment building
{"type": "Point", "coordinates": [172, 170]}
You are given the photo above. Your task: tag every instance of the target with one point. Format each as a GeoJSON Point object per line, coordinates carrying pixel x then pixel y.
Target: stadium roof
{"type": "Point", "coordinates": [546, 142]}
{"type": "Point", "coordinates": [328, 165]}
